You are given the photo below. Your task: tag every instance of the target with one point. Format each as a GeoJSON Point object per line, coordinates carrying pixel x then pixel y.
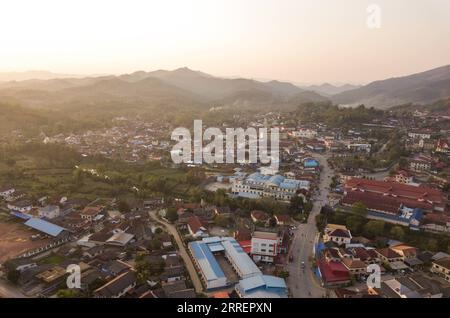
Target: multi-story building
{"type": "Point", "coordinates": [258, 185]}
{"type": "Point", "coordinates": [265, 246]}
{"type": "Point", "coordinates": [49, 211]}
{"type": "Point", "coordinates": [419, 165]}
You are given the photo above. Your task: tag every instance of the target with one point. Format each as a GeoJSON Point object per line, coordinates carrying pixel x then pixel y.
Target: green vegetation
{"type": "Point", "coordinates": [335, 116]}
{"type": "Point", "coordinates": [372, 229]}
{"type": "Point", "coordinates": [68, 293]}
{"type": "Point", "coordinates": [52, 259]}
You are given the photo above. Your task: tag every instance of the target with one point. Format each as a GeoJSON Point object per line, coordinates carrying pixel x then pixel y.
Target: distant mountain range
{"type": "Point", "coordinates": [327, 89]}
{"type": "Point", "coordinates": [173, 88]}
{"type": "Point", "coordinates": [184, 87]}
{"type": "Point", "coordinates": [421, 88]}
{"type": "Point", "coordinates": [28, 75]}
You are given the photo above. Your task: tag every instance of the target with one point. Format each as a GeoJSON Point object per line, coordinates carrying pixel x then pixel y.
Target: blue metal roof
{"type": "Point", "coordinates": [274, 282]}
{"type": "Point", "coordinates": [311, 163]}
{"type": "Point", "coordinates": [44, 226]}
{"type": "Point", "coordinates": [264, 284]}
{"type": "Point", "coordinates": [21, 215]}
{"type": "Point", "coordinates": [207, 261]}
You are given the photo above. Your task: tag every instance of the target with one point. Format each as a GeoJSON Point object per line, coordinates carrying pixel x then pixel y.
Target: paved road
{"type": "Point", "coordinates": [303, 283]}
{"type": "Point", "coordinates": [9, 291]}
{"type": "Point", "coordinates": [183, 252]}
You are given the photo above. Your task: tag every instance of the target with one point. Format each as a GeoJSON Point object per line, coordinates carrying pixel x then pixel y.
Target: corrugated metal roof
{"type": "Point", "coordinates": [208, 264]}
{"type": "Point", "coordinates": [44, 226]}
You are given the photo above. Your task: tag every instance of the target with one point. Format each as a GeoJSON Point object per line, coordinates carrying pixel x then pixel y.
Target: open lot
{"type": "Point", "coordinates": [15, 239]}
{"type": "Point", "coordinates": [228, 270]}
{"type": "Point", "coordinates": [213, 187]}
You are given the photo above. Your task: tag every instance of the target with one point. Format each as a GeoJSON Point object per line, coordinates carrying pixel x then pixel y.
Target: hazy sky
{"type": "Point", "coordinates": [296, 40]}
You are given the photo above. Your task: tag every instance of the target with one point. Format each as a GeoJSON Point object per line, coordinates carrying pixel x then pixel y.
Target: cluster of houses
{"type": "Point", "coordinates": [344, 260]}
{"type": "Point", "coordinates": [106, 245]}
{"type": "Point", "coordinates": [130, 139]}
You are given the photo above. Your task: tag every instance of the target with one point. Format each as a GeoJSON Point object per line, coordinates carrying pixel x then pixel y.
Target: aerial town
{"type": "Point", "coordinates": [222, 157]}
{"type": "Point", "coordinates": [343, 199]}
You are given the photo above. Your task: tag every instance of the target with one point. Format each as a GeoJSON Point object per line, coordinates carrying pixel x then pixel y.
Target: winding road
{"type": "Point", "coordinates": [183, 252]}
{"type": "Point", "coordinates": [302, 283]}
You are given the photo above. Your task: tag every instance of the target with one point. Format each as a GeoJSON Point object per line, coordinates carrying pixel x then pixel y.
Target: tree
{"type": "Point", "coordinates": [359, 208]}
{"type": "Point", "coordinates": [123, 206]}
{"type": "Point", "coordinates": [397, 232]}
{"type": "Point", "coordinates": [321, 222]}
{"type": "Point", "coordinates": [172, 214]}
{"type": "Point", "coordinates": [374, 228]}
{"type": "Point", "coordinates": [354, 223]}
{"type": "Point", "coordinates": [155, 244]}
{"type": "Point", "coordinates": [78, 177]}
{"type": "Point", "coordinates": [13, 276]}
{"type": "Point", "coordinates": [296, 204]}
{"type": "Point", "coordinates": [68, 293]}
{"type": "Point", "coordinates": [283, 274]}
{"type": "Point", "coordinates": [222, 221]}
{"type": "Point", "coordinates": [432, 245]}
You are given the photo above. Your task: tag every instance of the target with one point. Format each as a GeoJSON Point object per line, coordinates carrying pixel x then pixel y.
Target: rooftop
{"type": "Point", "coordinates": [44, 226]}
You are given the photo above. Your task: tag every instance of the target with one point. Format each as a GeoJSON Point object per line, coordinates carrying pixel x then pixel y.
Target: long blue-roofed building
{"type": "Point", "coordinates": [252, 281]}
{"type": "Point", "coordinates": [46, 227]}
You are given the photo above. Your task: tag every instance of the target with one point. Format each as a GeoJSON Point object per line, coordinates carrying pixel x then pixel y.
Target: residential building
{"type": "Point", "coordinates": [340, 235]}
{"type": "Point", "coordinates": [388, 255]}
{"type": "Point", "coordinates": [6, 192]}
{"type": "Point", "coordinates": [49, 211]}
{"type": "Point", "coordinates": [118, 286]}
{"type": "Point", "coordinates": [442, 268]}
{"type": "Point", "coordinates": [260, 217]}
{"type": "Point", "coordinates": [22, 206]}
{"type": "Point", "coordinates": [355, 266]}
{"type": "Point", "coordinates": [443, 146]}
{"type": "Point", "coordinates": [282, 219]}
{"type": "Point", "coordinates": [405, 251]}
{"type": "Point", "coordinates": [90, 212]}
{"type": "Point", "coordinates": [264, 246]}
{"type": "Point", "coordinates": [196, 227]}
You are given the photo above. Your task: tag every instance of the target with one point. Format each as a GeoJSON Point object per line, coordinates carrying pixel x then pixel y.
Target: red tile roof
{"type": "Point", "coordinates": [388, 196]}
{"type": "Point", "coordinates": [195, 224]}
{"type": "Point", "coordinates": [246, 246]}
{"type": "Point", "coordinates": [333, 272]}
{"type": "Point", "coordinates": [259, 215]}
{"type": "Point", "coordinates": [283, 218]}
{"type": "Point", "coordinates": [395, 189]}
{"type": "Point", "coordinates": [372, 201]}
{"type": "Point", "coordinates": [388, 253]}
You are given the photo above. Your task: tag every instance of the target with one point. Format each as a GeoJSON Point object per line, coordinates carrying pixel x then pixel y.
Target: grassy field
{"type": "Point", "coordinates": [39, 177]}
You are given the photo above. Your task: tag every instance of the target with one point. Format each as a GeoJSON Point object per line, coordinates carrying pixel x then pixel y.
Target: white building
{"type": "Point", "coordinates": [49, 211]}
{"type": "Point", "coordinates": [258, 185]}
{"type": "Point", "coordinates": [304, 133]}
{"type": "Point", "coordinates": [22, 206]}
{"type": "Point", "coordinates": [419, 135]}
{"type": "Point", "coordinates": [337, 234]}
{"type": "Point", "coordinates": [6, 192]}
{"type": "Point", "coordinates": [265, 246]}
